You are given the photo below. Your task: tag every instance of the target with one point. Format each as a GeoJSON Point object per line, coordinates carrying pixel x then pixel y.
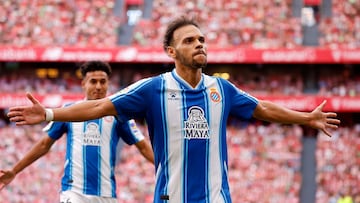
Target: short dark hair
{"type": "Point", "coordinates": [174, 25]}
{"type": "Point", "coordinates": [91, 66]}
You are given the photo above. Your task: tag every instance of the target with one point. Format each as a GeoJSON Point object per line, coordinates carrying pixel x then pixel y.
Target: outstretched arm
{"type": "Point", "coordinates": [87, 110]}
{"type": "Point", "coordinates": [38, 150]}
{"type": "Point", "coordinates": [146, 150]}
{"type": "Point", "coordinates": [316, 119]}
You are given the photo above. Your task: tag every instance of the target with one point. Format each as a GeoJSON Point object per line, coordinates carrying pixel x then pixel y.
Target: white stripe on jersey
{"type": "Point", "coordinates": [106, 129]}
{"type": "Point", "coordinates": [215, 171]}
{"type": "Point", "coordinates": [77, 173]}
{"type": "Point", "coordinates": [175, 139]}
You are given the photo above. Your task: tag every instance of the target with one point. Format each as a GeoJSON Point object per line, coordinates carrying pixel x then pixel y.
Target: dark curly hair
{"type": "Point", "coordinates": [174, 25]}
{"type": "Point", "coordinates": [91, 66]}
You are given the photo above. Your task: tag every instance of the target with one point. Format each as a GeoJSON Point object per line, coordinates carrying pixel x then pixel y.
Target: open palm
{"type": "Point", "coordinates": [5, 178]}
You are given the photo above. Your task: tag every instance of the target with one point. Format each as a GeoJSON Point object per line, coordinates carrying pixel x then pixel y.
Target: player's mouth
{"type": "Point", "coordinates": [200, 52]}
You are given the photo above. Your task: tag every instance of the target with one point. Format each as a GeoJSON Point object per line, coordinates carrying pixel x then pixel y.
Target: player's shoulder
{"type": "Point", "coordinates": [153, 80]}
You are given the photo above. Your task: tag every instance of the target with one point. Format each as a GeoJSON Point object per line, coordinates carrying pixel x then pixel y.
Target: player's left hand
{"type": "Point", "coordinates": [323, 120]}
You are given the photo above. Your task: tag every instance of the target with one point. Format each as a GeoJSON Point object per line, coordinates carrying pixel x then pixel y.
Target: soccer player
{"type": "Point", "coordinates": [186, 112]}
{"type": "Point", "coordinates": [91, 146]}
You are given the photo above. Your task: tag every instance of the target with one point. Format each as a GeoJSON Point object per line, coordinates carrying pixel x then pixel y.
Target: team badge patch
{"type": "Point", "coordinates": [214, 95]}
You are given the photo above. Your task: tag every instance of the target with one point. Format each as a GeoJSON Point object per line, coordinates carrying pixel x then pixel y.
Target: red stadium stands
{"type": "Point", "coordinates": [258, 42]}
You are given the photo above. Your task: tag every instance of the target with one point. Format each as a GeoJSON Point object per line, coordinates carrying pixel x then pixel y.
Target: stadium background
{"type": "Point", "coordinates": [293, 52]}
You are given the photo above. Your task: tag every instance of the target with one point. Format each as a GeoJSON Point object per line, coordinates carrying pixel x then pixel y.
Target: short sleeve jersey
{"type": "Point", "coordinates": [91, 153]}
{"type": "Point", "coordinates": [187, 127]}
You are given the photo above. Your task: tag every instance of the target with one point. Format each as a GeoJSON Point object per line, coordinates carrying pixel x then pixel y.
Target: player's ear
{"type": "Point", "coordinates": [83, 83]}
{"type": "Point", "coordinates": [171, 51]}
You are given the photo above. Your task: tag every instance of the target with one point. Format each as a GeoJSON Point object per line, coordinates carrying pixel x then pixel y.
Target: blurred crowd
{"type": "Point", "coordinates": [264, 160]}
{"type": "Point", "coordinates": [264, 166]}
{"type": "Point", "coordinates": [338, 165]}
{"type": "Point", "coordinates": [80, 23]}
{"type": "Point", "coordinates": [342, 29]}
{"type": "Point", "coordinates": [40, 182]}
{"type": "Point", "coordinates": [256, 23]}
{"type": "Point", "coordinates": [249, 23]}
{"type": "Point", "coordinates": [322, 80]}
{"type": "Point", "coordinates": [343, 80]}
{"type": "Point", "coordinates": [19, 82]}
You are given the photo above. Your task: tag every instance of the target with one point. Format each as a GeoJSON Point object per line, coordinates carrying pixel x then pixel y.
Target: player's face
{"type": "Point", "coordinates": [190, 47]}
{"type": "Point", "coordinates": [95, 84]}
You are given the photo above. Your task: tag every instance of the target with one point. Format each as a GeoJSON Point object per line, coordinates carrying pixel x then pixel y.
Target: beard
{"type": "Point", "coordinates": [197, 65]}
{"type": "Point", "coordinates": [192, 63]}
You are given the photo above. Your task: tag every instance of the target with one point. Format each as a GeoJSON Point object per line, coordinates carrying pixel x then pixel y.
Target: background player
{"type": "Point", "coordinates": [91, 146]}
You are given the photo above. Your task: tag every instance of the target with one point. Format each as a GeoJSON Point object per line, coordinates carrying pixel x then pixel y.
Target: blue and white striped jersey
{"type": "Point", "coordinates": [187, 128]}
{"type": "Point", "coordinates": [91, 153]}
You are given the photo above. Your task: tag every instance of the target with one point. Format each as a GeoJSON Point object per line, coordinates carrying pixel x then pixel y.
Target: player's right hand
{"type": "Point", "coordinates": [5, 178]}
{"type": "Point", "coordinates": [27, 115]}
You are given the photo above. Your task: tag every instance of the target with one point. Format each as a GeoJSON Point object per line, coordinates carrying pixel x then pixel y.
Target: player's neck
{"type": "Point", "coordinates": [190, 75]}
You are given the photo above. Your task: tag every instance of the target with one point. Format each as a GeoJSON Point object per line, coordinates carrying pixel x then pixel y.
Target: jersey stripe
{"type": "Point", "coordinates": [222, 147]}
